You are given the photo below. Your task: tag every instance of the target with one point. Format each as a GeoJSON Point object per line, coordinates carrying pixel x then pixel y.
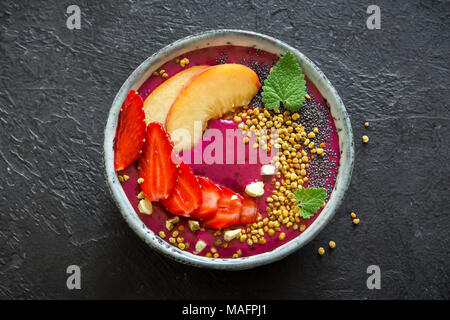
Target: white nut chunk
{"type": "Point", "coordinates": [268, 170]}
{"type": "Point", "coordinates": [171, 222]}
{"type": "Point", "coordinates": [231, 234]}
{"type": "Point", "coordinates": [145, 206]}
{"type": "Point", "coordinates": [194, 225]}
{"type": "Point", "coordinates": [255, 189]}
{"type": "Point", "coordinates": [199, 246]}
{"type": "Point", "coordinates": [141, 195]}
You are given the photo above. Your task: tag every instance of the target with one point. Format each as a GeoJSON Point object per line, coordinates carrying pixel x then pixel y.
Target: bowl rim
{"type": "Point", "coordinates": [131, 217]}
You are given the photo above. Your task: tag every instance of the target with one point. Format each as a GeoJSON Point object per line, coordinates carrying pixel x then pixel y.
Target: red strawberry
{"type": "Point", "coordinates": [157, 167]}
{"type": "Point", "coordinates": [186, 196]}
{"type": "Point", "coordinates": [130, 131]}
{"type": "Point", "coordinates": [248, 211]}
{"type": "Point", "coordinates": [228, 211]}
{"type": "Point", "coordinates": [210, 198]}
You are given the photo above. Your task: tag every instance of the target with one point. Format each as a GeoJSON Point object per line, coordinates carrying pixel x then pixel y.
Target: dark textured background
{"type": "Point", "coordinates": [57, 86]}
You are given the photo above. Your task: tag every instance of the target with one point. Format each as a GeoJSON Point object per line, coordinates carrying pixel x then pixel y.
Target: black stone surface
{"type": "Point", "coordinates": [57, 86]}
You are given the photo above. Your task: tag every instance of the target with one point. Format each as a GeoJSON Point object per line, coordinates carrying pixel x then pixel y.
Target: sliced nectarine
{"type": "Point", "coordinates": [159, 101]}
{"type": "Point", "coordinates": [210, 94]}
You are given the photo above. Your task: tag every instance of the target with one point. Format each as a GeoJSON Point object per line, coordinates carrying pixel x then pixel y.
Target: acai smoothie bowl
{"type": "Point", "coordinates": [228, 150]}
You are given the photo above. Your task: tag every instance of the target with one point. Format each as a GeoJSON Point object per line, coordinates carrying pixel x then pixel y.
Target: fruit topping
{"type": "Point", "coordinates": [158, 170]}
{"type": "Point", "coordinates": [130, 131]}
{"type": "Point", "coordinates": [248, 211]}
{"type": "Point", "coordinates": [186, 196]}
{"type": "Point", "coordinates": [228, 212]}
{"type": "Point", "coordinates": [210, 197]}
{"type": "Point", "coordinates": [159, 101]}
{"type": "Point", "coordinates": [209, 95]}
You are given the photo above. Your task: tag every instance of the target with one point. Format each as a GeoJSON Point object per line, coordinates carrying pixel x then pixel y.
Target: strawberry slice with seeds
{"type": "Point", "coordinates": [228, 212]}
{"type": "Point", "coordinates": [210, 198]}
{"type": "Point", "coordinates": [130, 131]}
{"type": "Point", "coordinates": [248, 211]}
{"type": "Point", "coordinates": [187, 195]}
{"type": "Point", "coordinates": [156, 163]}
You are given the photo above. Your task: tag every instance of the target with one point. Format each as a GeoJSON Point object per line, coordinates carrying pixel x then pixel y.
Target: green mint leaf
{"type": "Point", "coordinates": [285, 84]}
{"type": "Point", "coordinates": [310, 200]}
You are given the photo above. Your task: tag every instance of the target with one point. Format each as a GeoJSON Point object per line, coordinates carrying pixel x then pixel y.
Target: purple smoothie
{"type": "Point", "coordinates": [235, 176]}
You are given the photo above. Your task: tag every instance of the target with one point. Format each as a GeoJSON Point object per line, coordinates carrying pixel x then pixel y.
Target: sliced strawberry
{"type": "Point", "coordinates": [157, 167]}
{"type": "Point", "coordinates": [228, 212]}
{"type": "Point", "coordinates": [130, 131]}
{"type": "Point", "coordinates": [248, 211]}
{"type": "Point", "coordinates": [187, 195]}
{"type": "Point", "coordinates": [210, 198]}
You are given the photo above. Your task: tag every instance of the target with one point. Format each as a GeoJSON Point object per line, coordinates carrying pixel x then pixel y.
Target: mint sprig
{"type": "Point", "coordinates": [285, 84]}
{"type": "Point", "coordinates": [309, 200]}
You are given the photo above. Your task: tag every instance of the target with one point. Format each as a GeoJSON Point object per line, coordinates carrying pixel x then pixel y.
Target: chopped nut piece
{"type": "Point", "coordinates": [332, 244]}
{"type": "Point", "coordinates": [268, 170]}
{"type": "Point", "coordinates": [120, 178]}
{"type": "Point", "coordinates": [174, 220]}
{"type": "Point", "coordinates": [194, 225]}
{"type": "Point", "coordinates": [162, 234]}
{"type": "Point", "coordinates": [199, 246]}
{"type": "Point", "coordinates": [255, 189]}
{"type": "Point", "coordinates": [353, 215]}
{"type": "Point", "coordinates": [141, 195]}
{"type": "Point", "coordinates": [321, 251]}
{"type": "Point", "coordinates": [356, 221]}
{"type": "Point", "coordinates": [140, 180]}
{"type": "Point", "coordinates": [171, 222]}
{"type": "Point", "coordinates": [145, 206]}
{"type": "Point", "coordinates": [231, 234]}
{"type": "Point", "coordinates": [126, 177]}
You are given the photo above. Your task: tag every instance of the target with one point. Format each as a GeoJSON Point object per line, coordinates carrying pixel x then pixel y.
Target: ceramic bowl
{"type": "Point", "coordinates": [248, 39]}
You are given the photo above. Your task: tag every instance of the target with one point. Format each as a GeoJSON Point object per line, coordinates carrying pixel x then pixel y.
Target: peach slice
{"type": "Point", "coordinates": [159, 101]}
{"type": "Point", "coordinates": [209, 95]}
